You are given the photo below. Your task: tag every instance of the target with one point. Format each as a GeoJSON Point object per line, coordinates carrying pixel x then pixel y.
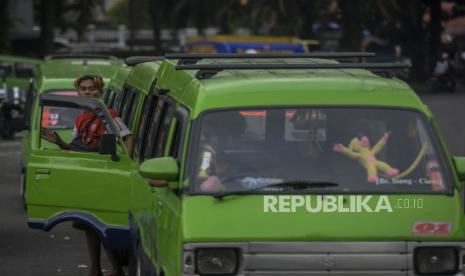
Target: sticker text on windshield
{"type": "Point", "coordinates": [337, 203]}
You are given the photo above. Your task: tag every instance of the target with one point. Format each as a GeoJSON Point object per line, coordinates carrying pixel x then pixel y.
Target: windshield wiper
{"type": "Point", "coordinates": [297, 184]}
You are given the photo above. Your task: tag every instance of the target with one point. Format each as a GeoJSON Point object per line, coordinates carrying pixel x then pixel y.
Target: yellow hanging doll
{"type": "Point", "coordinates": [359, 149]}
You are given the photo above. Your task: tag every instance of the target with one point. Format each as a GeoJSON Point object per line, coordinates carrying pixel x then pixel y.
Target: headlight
{"type": "Point", "coordinates": [436, 260]}
{"type": "Point", "coordinates": [214, 261]}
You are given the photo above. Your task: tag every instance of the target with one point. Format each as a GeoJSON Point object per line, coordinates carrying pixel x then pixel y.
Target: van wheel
{"type": "Point", "coordinates": [139, 264]}
{"type": "Point", "coordinates": [23, 189]}
{"type": "Point", "coordinates": [122, 256]}
{"type": "Point", "coordinates": [135, 261]}
{"type": "Point", "coordinates": [132, 263]}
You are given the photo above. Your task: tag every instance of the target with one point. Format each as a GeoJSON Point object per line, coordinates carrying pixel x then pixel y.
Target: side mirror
{"type": "Point", "coordinates": [459, 164]}
{"type": "Point", "coordinates": [162, 168]}
{"type": "Point", "coordinates": [108, 146]}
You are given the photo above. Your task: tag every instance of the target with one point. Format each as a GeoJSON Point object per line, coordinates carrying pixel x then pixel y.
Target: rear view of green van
{"type": "Point", "coordinates": [15, 74]}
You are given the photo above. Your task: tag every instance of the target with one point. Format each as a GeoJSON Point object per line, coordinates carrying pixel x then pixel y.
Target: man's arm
{"type": "Point", "coordinates": [54, 138]}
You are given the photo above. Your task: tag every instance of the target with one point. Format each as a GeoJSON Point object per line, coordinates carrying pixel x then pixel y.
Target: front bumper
{"type": "Point", "coordinates": [322, 258]}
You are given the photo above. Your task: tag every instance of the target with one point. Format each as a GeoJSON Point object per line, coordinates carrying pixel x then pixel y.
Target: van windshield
{"type": "Point", "coordinates": [60, 117]}
{"type": "Point", "coordinates": [355, 150]}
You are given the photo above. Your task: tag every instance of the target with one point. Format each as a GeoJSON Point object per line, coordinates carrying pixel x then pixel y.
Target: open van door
{"type": "Point", "coordinates": [88, 187]}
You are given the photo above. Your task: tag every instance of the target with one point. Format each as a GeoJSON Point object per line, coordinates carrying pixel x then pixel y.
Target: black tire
{"type": "Point", "coordinates": [135, 262]}
{"type": "Point", "coordinates": [23, 189]}
{"type": "Point", "coordinates": [139, 264]}
{"type": "Point", "coordinates": [122, 256]}
{"type": "Point", "coordinates": [132, 263]}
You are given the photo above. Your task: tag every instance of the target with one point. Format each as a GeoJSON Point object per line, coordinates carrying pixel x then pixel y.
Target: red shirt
{"type": "Point", "coordinates": [89, 128]}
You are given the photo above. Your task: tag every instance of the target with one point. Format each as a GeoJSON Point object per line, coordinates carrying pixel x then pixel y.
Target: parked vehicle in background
{"type": "Point", "coordinates": [248, 44]}
{"type": "Point", "coordinates": [15, 74]}
{"type": "Point", "coordinates": [18, 70]}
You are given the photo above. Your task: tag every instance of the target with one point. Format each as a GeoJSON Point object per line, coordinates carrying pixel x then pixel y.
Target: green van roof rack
{"type": "Point", "coordinates": [79, 56]}
{"type": "Point", "coordinates": [209, 70]}
{"type": "Point", "coordinates": [132, 61]}
{"type": "Point", "coordinates": [188, 58]}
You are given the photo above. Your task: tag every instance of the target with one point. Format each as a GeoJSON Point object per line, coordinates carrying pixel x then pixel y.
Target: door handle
{"type": "Point", "coordinates": [41, 173]}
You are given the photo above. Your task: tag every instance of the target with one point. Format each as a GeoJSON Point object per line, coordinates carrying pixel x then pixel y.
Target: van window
{"type": "Point", "coordinates": [147, 111]}
{"type": "Point", "coordinates": [24, 70]}
{"type": "Point", "coordinates": [6, 68]}
{"type": "Point", "coordinates": [55, 117]}
{"type": "Point", "coordinates": [162, 135]}
{"type": "Point", "coordinates": [153, 125]}
{"type": "Point", "coordinates": [132, 111]}
{"type": "Point", "coordinates": [117, 102]}
{"type": "Point", "coordinates": [361, 150]}
{"type": "Point", "coordinates": [175, 145]}
{"type": "Point", "coordinates": [126, 104]}
{"type": "Point", "coordinates": [111, 101]}
{"type": "Point", "coordinates": [255, 124]}
{"type": "Point", "coordinates": [30, 98]}
{"type": "Point", "coordinates": [106, 95]}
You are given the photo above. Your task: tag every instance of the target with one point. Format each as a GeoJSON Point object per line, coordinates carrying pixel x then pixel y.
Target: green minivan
{"type": "Point", "coordinates": [15, 74]}
{"type": "Point", "coordinates": [262, 165]}
{"type": "Point", "coordinates": [292, 166]}
{"type": "Point", "coordinates": [17, 71]}
{"type": "Point", "coordinates": [88, 187]}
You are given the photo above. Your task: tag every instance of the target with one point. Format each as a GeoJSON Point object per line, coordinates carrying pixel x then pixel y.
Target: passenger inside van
{"type": "Point", "coordinates": [219, 135]}
{"type": "Point", "coordinates": [297, 145]}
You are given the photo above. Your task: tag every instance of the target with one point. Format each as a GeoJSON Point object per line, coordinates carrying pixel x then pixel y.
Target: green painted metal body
{"type": "Point", "coordinates": [114, 87]}
{"type": "Point", "coordinates": [87, 184]}
{"type": "Point", "coordinates": [166, 219]}
{"type": "Point", "coordinates": [141, 80]}
{"type": "Point", "coordinates": [58, 181]}
{"type": "Point", "coordinates": [160, 168]}
{"type": "Point", "coordinates": [459, 163]}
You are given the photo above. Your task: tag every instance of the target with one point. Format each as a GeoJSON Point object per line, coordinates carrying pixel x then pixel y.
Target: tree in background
{"type": "Point", "coordinates": [351, 22]}
{"type": "Point", "coordinates": [4, 27]}
{"type": "Point", "coordinates": [398, 22]}
{"type": "Point", "coordinates": [48, 13]}
{"type": "Point", "coordinates": [80, 14]}
{"type": "Point", "coordinates": [413, 32]}
{"type": "Point", "coordinates": [119, 13]}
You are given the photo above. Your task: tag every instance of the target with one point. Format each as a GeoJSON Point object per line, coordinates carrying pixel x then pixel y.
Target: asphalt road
{"type": "Point", "coordinates": [449, 110]}
{"type": "Point", "coordinates": [29, 252]}
{"type": "Point", "coordinates": [62, 251]}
